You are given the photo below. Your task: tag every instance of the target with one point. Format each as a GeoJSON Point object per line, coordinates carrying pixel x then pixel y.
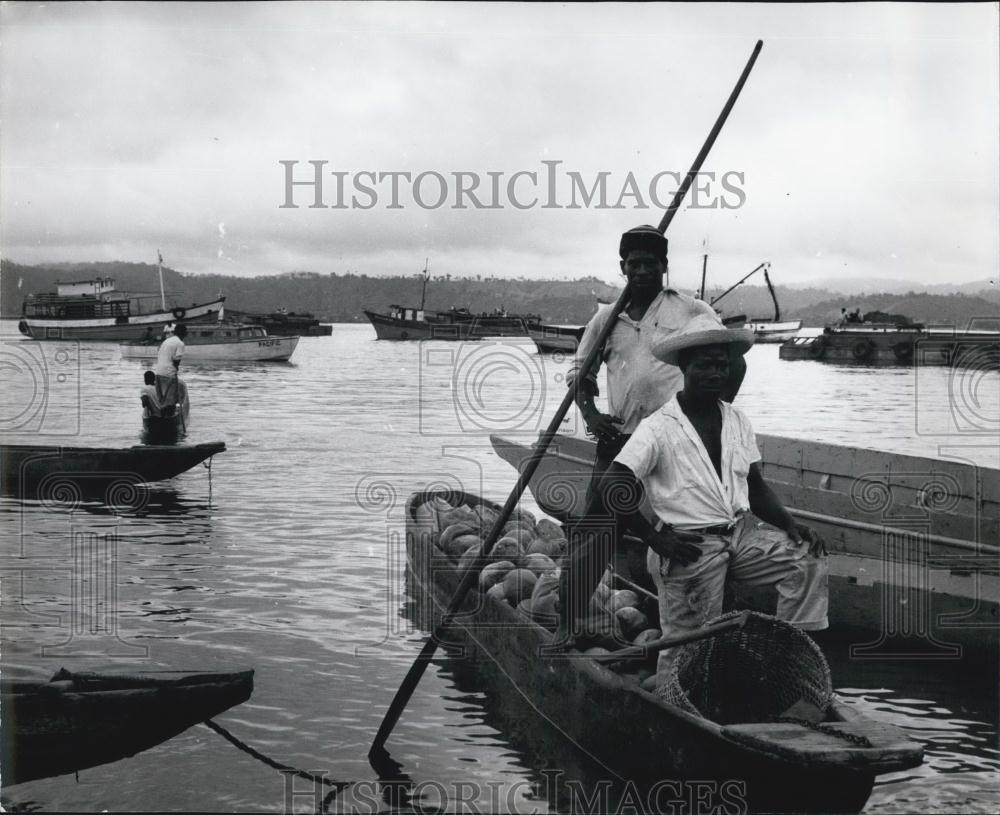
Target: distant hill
{"type": "Point", "coordinates": [342, 298]}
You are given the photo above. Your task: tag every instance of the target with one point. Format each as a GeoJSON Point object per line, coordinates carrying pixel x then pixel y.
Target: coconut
{"type": "Point", "coordinates": [487, 515]}
{"type": "Point", "coordinates": [457, 546]}
{"type": "Point", "coordinates": [497, 592]}
{"type": "Point", "coordinates": [522, 534]}
{"type": "Point", "coordinates": [649, 683]}
{"type": "Point", "coordinates": [494, 573]}
{"type": "Point", "coordinates": [524, 516]}
{"type": "Point", "coordinates": [458, 515]}
{"type": "Point", "coordinates": [518, 585]}
{"type": "Point", "coordinates": [545, 601]}
{"type": "Point", "coordinates": [550, 529]}
{"type": "Point", "coordinates": [525, 607]}
{"type": "Point", "coordinates": [608, 578]}
{"type": "Point", "coordinates": [473, 556]}
{"type": "Point", "coordinates": [647, 635]}
{"type": "Point", "coordinates": [623, 598]}
{"type": "Point", "coordinates": [506, 549]}
{"type": "Point", "coordinates": [632, 621]}
{"type": "Point", "coordinates": [544, 546]}
{"type": "Point", "coordinates": [596, 651]}
{"type": "Point", "coordinates": [602, 594]}
{"type": "Point", "coordinates": [537, 563]}
{"type": "Point", "coordinates": [453, 531]}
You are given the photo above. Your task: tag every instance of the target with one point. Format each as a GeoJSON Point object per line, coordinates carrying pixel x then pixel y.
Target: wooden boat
{"type": "Point", "coordinates": [51, 472]}
{"type": "Point", "coordinates": [869, 343]}
{"type": "Point", "coordinates": [773, 331]}
{"type": "Point", "coordinates": [781, 767]}
{"type": "Point", "coordinates": [221, 342]}
{"type": "Point", "coordinates": [80, 720]}
{"type": "Point", "coordinates": [551, 339]}
{"type": "Point", "coordinates": [93, 310]}
{"type": "Point", "coordinates": [284, 323]}
{"type": "Point", "coordinates": [914, 560]}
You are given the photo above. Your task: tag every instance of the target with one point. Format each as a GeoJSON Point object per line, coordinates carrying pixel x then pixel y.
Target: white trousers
{"type": "Point", "coordinates": [754, 554]}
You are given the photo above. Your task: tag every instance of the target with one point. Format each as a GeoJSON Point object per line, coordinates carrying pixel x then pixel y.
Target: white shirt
{"type": "Point", "coordinates": [667, 455]}
{"type": "Point", "coordinates": [637, 382]}
{"type": "Point", "coordinates": [172, 348]}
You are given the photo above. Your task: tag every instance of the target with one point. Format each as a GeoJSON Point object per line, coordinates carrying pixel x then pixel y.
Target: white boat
{"type": "Point", "coordinates": [232, 342]}
{"type": "Point", "coordinates": [770, 331]}
{"type": "Point", "coordinates": [94, 310]}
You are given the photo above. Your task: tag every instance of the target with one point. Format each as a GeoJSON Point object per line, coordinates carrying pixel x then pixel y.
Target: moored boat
{"type": "Point", "coordinates": [67, 472]}
{"type": "Point", "coordinates": [79, 720]}
{"type": "Point", "coordinates": [550, 339]}
{"type": "Point", "coordinates": [94, 310]}
{"type": "Point", "coordinates": [913, 541]}
{"type": "Point", "coordinates": [285, 323]}
{"type": "Point", "coordinates": [871, 343]}
{"type": "Point", "coordinates": [221, 342]}
{"type": "Point", "coordinates": [771, 331]}
{"type": "Point", "coordinates": [785, 766]}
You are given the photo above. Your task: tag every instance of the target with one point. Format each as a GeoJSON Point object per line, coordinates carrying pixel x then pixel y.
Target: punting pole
{"type": "Point", "coordinates": [470, 575]}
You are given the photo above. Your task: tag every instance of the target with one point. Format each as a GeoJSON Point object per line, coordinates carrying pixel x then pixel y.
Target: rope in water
{"type": "Point", "coordinates": [270, 762]}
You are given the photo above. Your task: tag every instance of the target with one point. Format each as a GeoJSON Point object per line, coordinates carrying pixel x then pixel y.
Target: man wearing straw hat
{"type": "Point", "coordinates": [696, 459]}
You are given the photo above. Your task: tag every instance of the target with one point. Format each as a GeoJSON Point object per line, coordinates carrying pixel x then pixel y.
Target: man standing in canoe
{"type": "Point", "coordinates": [637, 383]}
{"type": "Point", "coordinates": [169, 388]}
{"type": "Point", "coordinates": [696, 459]}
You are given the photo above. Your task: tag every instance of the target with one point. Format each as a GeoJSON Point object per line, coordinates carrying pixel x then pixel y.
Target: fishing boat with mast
{"type": "Point", "coordinates": [94, 310]}
{"type": "Point", "coordinates": [408, 323]}
{"type": "Point", "coordinates": [765, 329]}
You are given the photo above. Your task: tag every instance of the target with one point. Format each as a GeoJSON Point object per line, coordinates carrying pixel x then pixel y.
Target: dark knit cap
{"type": "Point", "coordinates": [643, 237]}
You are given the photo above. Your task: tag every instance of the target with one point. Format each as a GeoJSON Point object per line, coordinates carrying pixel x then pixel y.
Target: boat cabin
{"type": "Point", "coordinates": [223, 332]}
{"type": "Point", "coordinates": [86, 288]}
{"type": "Point", "coordinates": [403, 313]}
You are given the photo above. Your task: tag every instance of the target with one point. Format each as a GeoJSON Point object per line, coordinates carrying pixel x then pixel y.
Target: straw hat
{"type": "Point", "coordinates": [702, 329]}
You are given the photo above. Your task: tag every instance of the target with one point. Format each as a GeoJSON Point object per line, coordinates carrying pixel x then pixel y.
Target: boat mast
{"type": "Point", "coordinates": [704, 267]}
{"type": "Point", "coordinates": [774, 297]}
{"type": "Point", "coordinates": [423, 291]}
{"type": "Point", "coordinates": [159, 266]}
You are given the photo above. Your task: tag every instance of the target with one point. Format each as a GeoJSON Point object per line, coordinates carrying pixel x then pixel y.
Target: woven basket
{"type": "Point", "coordinates": [752, 674]}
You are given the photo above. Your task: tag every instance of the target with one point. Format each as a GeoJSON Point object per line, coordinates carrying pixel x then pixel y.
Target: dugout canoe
{"type": "Point", "coordinates": [80, 720]}
{"type": "Point", "coordinates": [777, 767]}
{"type": "Point", "coordinates": [67, 473]}
{"type": "Point", "coordinates": [914, 563]}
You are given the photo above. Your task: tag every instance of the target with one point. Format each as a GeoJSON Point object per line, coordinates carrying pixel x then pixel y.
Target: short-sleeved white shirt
{"type": "Point", "coordinates": [170, 349]}
{"type": "Point", "coordinates": [668, 456]}
{"type": "Point", "coordinates": [637, 382]}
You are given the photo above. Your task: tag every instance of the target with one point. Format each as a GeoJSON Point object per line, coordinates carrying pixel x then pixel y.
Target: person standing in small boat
{"type": "Point", "coordinates": [637, 383]}
{"type": "Point", "coordinates": [151, 407]}
{"type": "Point", "coordinates": [696, 459]}
{"type": "Point", "coordinates": [169, 387]}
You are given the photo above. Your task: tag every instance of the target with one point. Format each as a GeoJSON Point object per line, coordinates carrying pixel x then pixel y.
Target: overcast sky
{"type": "Point", "coordinates": [867, 136]}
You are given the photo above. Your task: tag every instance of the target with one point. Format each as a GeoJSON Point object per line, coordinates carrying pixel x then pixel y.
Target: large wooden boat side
{"type": "Point", "coordinates": [551, 339]}
{"type": "Point", "coordinates": [416, 324]}
{"type": "Point", "coordinates": [914, 561]}
{"type": "Point", "coordinates": [80, 720]}
{"type": "Point", "coordinates": [645, 739]}
{"type": "Point", "coordinates": [45, 471]}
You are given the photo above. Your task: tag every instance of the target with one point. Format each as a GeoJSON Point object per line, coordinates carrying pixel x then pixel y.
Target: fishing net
{"type": "Point", "coordinates": [764, 670]}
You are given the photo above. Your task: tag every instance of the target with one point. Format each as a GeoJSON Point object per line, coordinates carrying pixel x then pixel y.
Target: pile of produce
{"type": "Point", "coordinates": [522, 569]}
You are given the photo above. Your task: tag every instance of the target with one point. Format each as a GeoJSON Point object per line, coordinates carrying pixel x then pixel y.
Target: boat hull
{"type": "Point", "coordinates": [611, 718]}
{"type": "Point", "coordinates": [551, 339]}
{"type": "Point", "coordinates": [65, 473]}
{"type": "Point", "coordinates": [897, 346]}
{"type": "Point", "coordinates": [907, 581]}
{"type": "Point", "coordinates": [254, 349]}
{"type": "Point", "coordinates": [473, 328]}
{"type": "Point", "coordinates": [78, 721]}
{"type": "Point", "coordinates": [120, 329]}
{"type": "Point", "coordinates": [764, 331]}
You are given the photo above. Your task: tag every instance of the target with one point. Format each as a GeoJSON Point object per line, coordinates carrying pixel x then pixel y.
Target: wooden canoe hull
{"type": "Point", "coordinates": [57, 727]}
{"type": "Point", "coordinates": [913, 559]}
{"type": "Point", "coordinates": [64, 473]}
{"type": "Point", "coordinates": [641, 738]}
{"type": "Point", "coordinates": [253, 349]}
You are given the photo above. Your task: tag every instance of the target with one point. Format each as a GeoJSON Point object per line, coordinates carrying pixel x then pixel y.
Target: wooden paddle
{"type": "Point", "coordinates": [470, 575]}
{"type": "Point", "coordinates": [653, 647]}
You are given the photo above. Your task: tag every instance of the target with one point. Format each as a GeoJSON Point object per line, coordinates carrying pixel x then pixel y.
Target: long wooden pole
{"type": "Point", "coordinates": [470, 575]}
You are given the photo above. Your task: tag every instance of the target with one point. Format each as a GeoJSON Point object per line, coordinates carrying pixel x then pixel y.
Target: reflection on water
{"type": "Point", "coordinates": [288, 557]}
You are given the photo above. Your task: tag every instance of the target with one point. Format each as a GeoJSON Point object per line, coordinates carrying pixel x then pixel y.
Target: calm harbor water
{"type": "Point", "coordinates": [287, 557]}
